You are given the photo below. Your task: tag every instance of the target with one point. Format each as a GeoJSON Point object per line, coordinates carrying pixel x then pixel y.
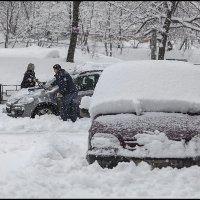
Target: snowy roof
{"type": "Point", "coordinates": [139, 86]}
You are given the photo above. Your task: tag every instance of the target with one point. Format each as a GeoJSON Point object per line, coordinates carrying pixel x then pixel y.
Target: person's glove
{"type": "Point", "coordinates": [40, 84]}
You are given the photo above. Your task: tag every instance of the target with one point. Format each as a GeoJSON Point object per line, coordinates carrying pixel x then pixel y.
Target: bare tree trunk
{"type": "Point", "coordinates": [106, 47]}
{"type": "Point", "coordinates": [87, 32]}
{"type": "Point", "coordinates": [27, 43]}
{"type": "Point", "coordinates": [6, 41]}
{"type": "Point", "coordinates": [70, 17]}
{"type": "Point", "coordinates": [120, 33]}
{"type": "Point", "coordinates": [25, 8]}
{"type": "Point", "coordinates": [82, 35]}
{"type": "Point", "coordinates": [86, 40]}
{"type": "Point", "coordinates": [181, 46]}
{"type": "Point", "coordinates": [186, 44]}
{"type": "Point", "coordinates": [14, 43]}
{"type": "Point", "coordinates": [110, 49]}
{"type": "Point", "coordinates": [153, 45]}
{"type": "Point", "coordinates": [73, 37]}
{"type": "Point", "coordinates": [109, 30]}
{"type": "Point", "coordinates": [166, 27]}
{"type": "Point", "coordinates": [7, 29]}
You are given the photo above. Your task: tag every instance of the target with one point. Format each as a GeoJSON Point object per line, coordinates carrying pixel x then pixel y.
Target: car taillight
{"type": "Point", "coordinates": [104, 140]}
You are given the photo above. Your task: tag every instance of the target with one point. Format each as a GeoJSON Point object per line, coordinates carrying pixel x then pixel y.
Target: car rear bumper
{"type": "Point", "coordinates": [154, 162]}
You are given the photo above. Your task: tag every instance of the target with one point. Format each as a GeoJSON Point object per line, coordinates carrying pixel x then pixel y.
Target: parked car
{"type": "Point", "coordinates": [40, 100]}
{"type": "Point", "coordinates": [146, 111]}
{"type": "Point", "coordinates": [86, 83]}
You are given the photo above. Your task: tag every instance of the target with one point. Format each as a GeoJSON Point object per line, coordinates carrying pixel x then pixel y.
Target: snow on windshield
{"type": "Point", "coordinates": [138, 86]}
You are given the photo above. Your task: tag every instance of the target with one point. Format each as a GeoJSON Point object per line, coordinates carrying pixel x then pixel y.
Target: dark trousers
{"type": "Point", "coordinates": [69, 107]}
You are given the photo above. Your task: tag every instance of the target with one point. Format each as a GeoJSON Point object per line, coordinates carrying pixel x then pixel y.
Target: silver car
{"type": "Point", "coordinates": [43, 99]}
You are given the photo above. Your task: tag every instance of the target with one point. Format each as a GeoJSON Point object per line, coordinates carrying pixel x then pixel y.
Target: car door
{"type": "Point", "coordinates": [86, 84]}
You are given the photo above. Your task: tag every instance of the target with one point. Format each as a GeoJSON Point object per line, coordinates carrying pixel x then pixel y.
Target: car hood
{"type": "Point", "coordinates": [25, 95]}
{"type": "Point", "coordinates": [176, 126]}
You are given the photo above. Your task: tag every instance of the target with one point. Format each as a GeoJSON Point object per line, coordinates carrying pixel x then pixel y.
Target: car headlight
{"type": "Point", "coordinates": [104, 141]}
{"type": "Point", "coordinates": [26, 100]}
{"type": "Point", "coordinates": [18, 107]}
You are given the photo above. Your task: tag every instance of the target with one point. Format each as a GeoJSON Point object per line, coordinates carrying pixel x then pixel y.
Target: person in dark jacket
{"type": "Point", "coordinates": [29, 79]}
{"type": "Point", "coordinates": [69, 93]}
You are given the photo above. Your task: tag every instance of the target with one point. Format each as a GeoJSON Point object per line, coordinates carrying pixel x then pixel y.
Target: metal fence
{"type": "Point", "coordinates": [6, 91]}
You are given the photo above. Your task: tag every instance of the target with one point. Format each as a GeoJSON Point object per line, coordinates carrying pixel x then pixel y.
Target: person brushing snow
{"type": "Point", "coordinates": [69, 93]}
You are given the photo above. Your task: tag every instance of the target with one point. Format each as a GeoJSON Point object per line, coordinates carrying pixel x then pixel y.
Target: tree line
{"type": "Point", "coordinates": [109, 22]}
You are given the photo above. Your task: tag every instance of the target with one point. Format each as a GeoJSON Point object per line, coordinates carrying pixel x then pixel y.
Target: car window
{"type": "Point", "coordinates": [87, 82]}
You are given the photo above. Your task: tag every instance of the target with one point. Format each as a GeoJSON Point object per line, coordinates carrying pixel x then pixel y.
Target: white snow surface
{"type": "Point", "coordinates": [14, 62]}
{"type": "Point", "coordinates": [45, 157]}
{"type": "Point", "coordinates": [139, 86]}
{"type": "Point", "coordinates": [85, 102]}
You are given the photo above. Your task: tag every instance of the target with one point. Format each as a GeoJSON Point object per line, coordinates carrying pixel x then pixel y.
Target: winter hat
{"type": "Point", "coordinates": [31, 66]}
{"type": "Point", "coordinates": [57, 66]}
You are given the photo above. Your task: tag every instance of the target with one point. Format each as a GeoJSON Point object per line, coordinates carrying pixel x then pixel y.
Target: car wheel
{"type": "Point", "coordinates": [107, 163]}
{"type": "Point", "coordinates": [90, 159]}
{"type": "Point", "coordinates": [78, 112]}
{"type": "Point", "coordinates": [42, 110]}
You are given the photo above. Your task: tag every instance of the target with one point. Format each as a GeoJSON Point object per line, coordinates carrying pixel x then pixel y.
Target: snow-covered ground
{"type": "Point", "coordinates": [45, 157]}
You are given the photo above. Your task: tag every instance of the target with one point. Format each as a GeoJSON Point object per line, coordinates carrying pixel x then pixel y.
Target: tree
{"type": "Point", "coordinates": [74, 33]}
{"type": "Point", "coordinates": [169, 18]}
{"type": "Point", "coordinates": [86, 17]}
{"type": "Point", "coordinates": [170, 12]}
{"type": "Point", "coordinates": [8, 19]}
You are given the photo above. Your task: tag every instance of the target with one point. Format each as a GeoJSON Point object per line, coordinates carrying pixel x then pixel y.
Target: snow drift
{"type": "Point", "coordinates": [139, 86]}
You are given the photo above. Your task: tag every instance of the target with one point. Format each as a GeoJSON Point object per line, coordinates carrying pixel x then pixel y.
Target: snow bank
{"type": "Point", "coordinates": [174, 54]}
{"type": "Point", "coordinates": [100, 57]}
{"type": "Point", "coordinates": [15, 61]}
{"type": "Point", "coordinates": [33, 51]}
{"type": "Point", "coordinates": [12, 69]}
{"type": "Point", "coordinates": [40, 124]}
{"type": "Point", "coordinates": [85, 102]}
{"type": "Point", "coordinates": [139, 86]}
{"type": "Point", "coordinates": [157, 145]}
{"type": "Point", "coordinates": [92, 66]}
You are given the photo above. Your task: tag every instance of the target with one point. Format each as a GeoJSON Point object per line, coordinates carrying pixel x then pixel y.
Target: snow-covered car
{"type": "Point", "coordinates": [43, 99]}
{"type": "Point", "coordinates": [38, 100]}
{"type": "Point", "coordinates": [146, 111]}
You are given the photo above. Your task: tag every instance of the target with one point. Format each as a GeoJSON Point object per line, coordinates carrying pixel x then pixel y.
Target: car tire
{"type": "Point", "coordinates": [107, 163]}
{"type": "Point", "coordinates": [90, 159]}
{"type": "Point", "coordinates": [44, 109]}
{"type": "Point", "coordinates": [78, 112]}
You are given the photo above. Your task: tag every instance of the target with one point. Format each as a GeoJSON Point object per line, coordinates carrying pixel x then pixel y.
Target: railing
{"type": "Point", "coordinates": [5, 90]}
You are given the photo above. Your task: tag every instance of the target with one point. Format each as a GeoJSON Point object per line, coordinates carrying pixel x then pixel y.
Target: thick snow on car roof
{"type": "Point", "coordinates": [153, 85]}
